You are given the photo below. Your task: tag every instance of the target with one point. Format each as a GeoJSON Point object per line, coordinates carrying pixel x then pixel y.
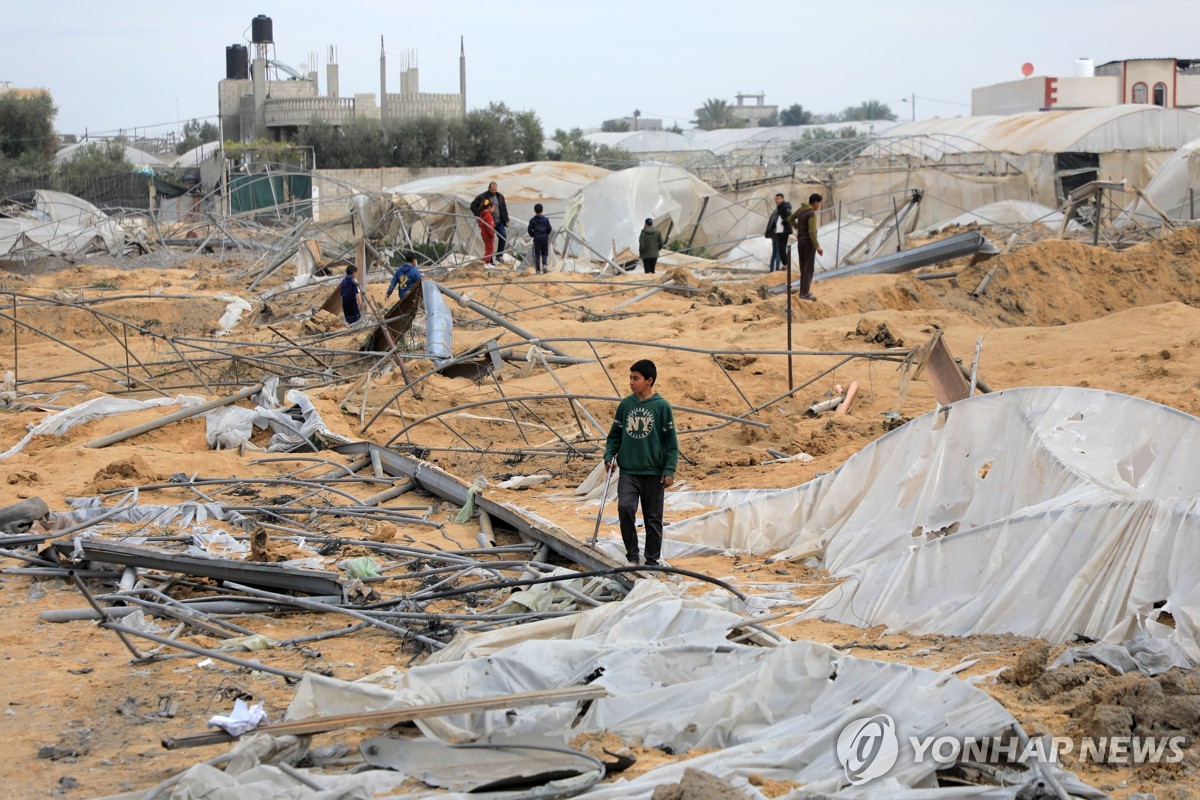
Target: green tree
{"type": "Point", "coordinates": [530, 135]}
{"type": "Point", "coordinates": [493, 136]}
{"type": "Point", "coordinates": [90, 163]}
{"type": "Point", "coordinates": [713, 114]}
{"type": "Point", "coordinates": [795, 114]}
{"type": "Point", "coordinates": [27, 124]}
{"type": "Point", "coordinates": [615, 126]}
{"type": "Point", "coordinates": [572, 146]}
{"type": "Point", "coordinates": [868, 110]}
{"type": "Point", "coordinates": [196, 133]}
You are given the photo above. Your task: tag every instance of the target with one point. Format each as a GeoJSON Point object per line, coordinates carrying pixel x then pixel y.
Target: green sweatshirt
{"type": "Point", "coordinates": [650, 241]}
{"type": "Point", "coordinates": [804, 220]}
{"type": "Point", "coordinates": [642, 437]}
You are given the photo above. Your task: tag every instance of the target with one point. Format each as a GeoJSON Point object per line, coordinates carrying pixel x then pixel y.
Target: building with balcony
{"type": "Point", "coordinates": [1164, 82]}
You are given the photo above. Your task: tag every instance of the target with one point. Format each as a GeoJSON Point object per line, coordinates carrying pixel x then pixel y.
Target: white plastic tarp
{"type": "Point", "coordinates": [1041, 511]}
{"type": "Point", "coordinates": [61, 224]}
{"type": "Point", "coordinates": [675, 681]}
{"type": "Point", "coordinates": [440, 206]}
{"type": "Point", "coordinates": [60, 422]}
{"type": "Point", "coordinates": [231, 427]}
{"type": "Point", "coordinates": [609, 213]}
{"type": "Point", "coordinates": [1173, 189]}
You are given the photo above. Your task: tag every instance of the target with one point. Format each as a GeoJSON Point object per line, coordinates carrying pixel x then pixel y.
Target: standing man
{"type": "Point", "coordinates": [404, 278]}
{"type": "Point", "coordinates": [650, 242]}
{"type": "Point", "coordinates": [778, 230]}
{"type": "Point", "coordinates": [642, 439]}
{"type": "Point", "coordinates": [499, 216]}
{"type": "Point", "coordinates": [350, 290]}
{"type": "Point", "coordinates": [804, 220]}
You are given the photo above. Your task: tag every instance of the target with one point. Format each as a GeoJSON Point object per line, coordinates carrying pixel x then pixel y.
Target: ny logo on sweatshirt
{"type": "Point", "coordinates": [639, 424]}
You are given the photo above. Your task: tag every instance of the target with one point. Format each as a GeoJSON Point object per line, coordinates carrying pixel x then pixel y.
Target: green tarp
{"type": "Point", "coordinates": [292, 193]}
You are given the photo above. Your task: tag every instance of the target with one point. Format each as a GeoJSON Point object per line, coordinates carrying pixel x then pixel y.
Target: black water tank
{"type": "Point", "coordinates": [260, 30]}
{"type": "Point", "coordinates": [237, 62]}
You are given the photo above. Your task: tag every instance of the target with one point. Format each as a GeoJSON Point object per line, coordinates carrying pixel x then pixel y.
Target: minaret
{"type": "Point", "coordinates": [331, 71]}
{"type": "Point", "coordinates": [383, 115]}
{"type": "Point", "coordinates": [462, 74]}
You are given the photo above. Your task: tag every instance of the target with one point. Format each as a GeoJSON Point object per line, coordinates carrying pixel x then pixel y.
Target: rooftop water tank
{"type": "Point", "coordinates": [1085, 68]}
{"type": "Point", "coordinates": [260, 30]}
{"type": "Point", "coordinates": [237, 63]}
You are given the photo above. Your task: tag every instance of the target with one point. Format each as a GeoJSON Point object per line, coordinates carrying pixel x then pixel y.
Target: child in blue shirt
{"type": "Point", "coordinates": [540, 229]}
{"type": "Point", "coordinates": [405, 277]}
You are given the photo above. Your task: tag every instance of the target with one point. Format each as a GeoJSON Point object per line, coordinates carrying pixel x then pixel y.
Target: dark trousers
{"type": "Point", "coordinates": [501, 239]}
{"type": "Point", "coordinates": [648, 265]}
{"type": "Point", "coordinates": [806, 254]}
{"type": "Point", "coordinates": [781, 256]}
{"type": "Point", "coordinates": [648, 490]}
{"type": "Point", "coordinates": [541, 252]}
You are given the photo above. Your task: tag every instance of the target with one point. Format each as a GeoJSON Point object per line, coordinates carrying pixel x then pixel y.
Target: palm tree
{"type": "Point", "coordinates": [713, 114]}
{"type": "Point", "coordinates": [868, 110]}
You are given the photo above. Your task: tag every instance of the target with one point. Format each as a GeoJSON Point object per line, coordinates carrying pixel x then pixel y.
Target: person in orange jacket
{"type": "Point", "coordinates": [487, 229]}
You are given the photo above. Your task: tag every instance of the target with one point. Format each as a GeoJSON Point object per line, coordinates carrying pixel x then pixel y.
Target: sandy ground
{"type": "Point", "coordinates": [82, 721]}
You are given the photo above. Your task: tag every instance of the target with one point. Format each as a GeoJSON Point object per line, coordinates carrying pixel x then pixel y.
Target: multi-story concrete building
{"type": "Point", "coordinates": [254, 103]}
{"type": "Point", "coordinates": [1166, 82]}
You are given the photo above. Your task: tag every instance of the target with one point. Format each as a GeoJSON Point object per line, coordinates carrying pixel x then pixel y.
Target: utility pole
{"type": "Point", "coordinates": [914, 107]}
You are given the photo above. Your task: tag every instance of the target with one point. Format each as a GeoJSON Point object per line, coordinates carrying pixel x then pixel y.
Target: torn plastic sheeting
{"type": "Point", "coordinates": [1142, 653]}
{"type": "Point", "coordinates": [507, 765]}
{"type": "Point", "coordinates": [549, 596]}
{"type": "Point", "coordinates": [1043, 511]}
{"type": "Point", "coordinates": [523, 481]}
{"type": "Point", "coordinates": [60, 422]}
{"type": "Point", "coordinates": [252, 773]}
{"type": "Point", "coordinates": [243, 718]}
{"type": "Point", "coordinates": [183, 515]}
{"type": "Point", "coordinates": [217, 544]}
{"type": "Point", "coordinates": [231, 427]}
{"type": "Point", "coordinates": [674, 681]}
{"type": "Point", "coordinates": [234, 309]}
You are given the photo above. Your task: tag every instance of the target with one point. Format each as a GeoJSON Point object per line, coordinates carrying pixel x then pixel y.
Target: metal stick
{"type": "Point", "coordinates": [603, 499]}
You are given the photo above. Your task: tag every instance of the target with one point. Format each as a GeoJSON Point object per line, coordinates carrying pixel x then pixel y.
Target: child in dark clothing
{"type": "Point", "coordinates": [540, 229]}
{"type": "Point", "coordinates": [350, 291]}
{"type": "Point", "coordinates": [405, 278]}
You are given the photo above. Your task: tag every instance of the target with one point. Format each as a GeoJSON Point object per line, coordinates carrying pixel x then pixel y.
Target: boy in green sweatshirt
{"type": "Point", "coordinates": [804, 220]}
{"type": "Point", "coordinates": [642, 440]}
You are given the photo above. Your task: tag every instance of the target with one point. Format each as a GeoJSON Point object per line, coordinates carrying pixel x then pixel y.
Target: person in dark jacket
{"type": "Point", "coordinates": [405, 278]}
{"type": "Point", "coordinates": [650, 242]}
{"type": "Point", "coordinates": [778, 231]}
{"type": "Point", "coordinates": [499, 216]}
{"type": "Point", "coordinates": [643, 443]}
{"type": "Point", "coordinates": [350, 290]}
{"type": "Point", "coordinates": [804, 220]}
{"type": "Point", "coordinates": [540, 229]}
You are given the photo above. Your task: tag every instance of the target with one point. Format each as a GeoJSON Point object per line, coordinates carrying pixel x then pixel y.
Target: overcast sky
{"type": "Point", "coordinates": [119, 65]}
